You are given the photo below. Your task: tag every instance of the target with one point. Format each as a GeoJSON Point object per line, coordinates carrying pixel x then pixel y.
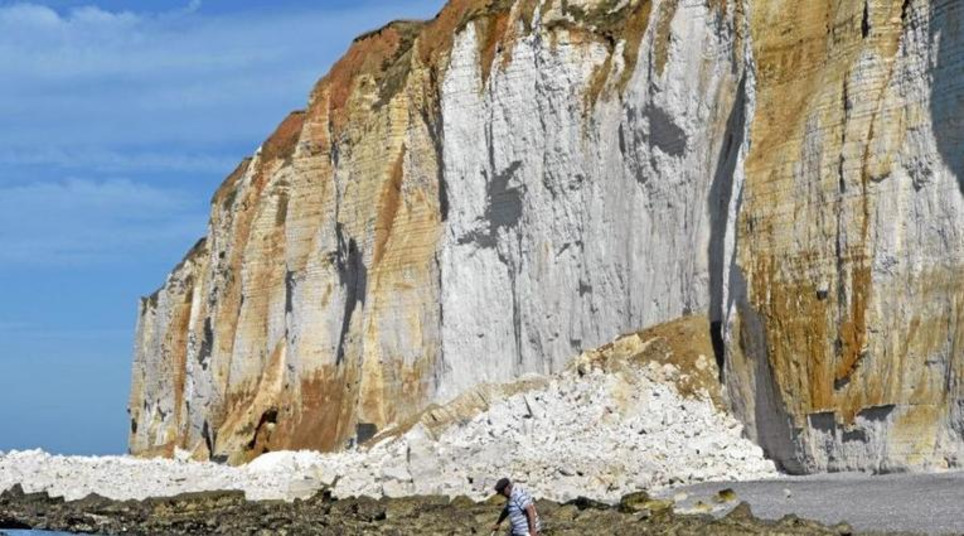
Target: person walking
{"type": "Point", "coordinates": [519, 508]}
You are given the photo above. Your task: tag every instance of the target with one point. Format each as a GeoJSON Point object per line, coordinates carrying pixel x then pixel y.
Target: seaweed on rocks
{"type": "Point", "coordinates": [226, 512]}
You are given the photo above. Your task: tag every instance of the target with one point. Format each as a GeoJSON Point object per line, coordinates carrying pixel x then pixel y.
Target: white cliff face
{"type": "Point", "coordinates": [566, 225]}
{"type": "Point", "coordinates": [487, 194]}
{"type": "Point", "coordinates": [553, 194]}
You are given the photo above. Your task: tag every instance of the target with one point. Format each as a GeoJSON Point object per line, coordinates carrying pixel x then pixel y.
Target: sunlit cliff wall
{"type": "Point", "coordinates": [845, 255]}
{"type": "Point", "coordinates": [488, 193]}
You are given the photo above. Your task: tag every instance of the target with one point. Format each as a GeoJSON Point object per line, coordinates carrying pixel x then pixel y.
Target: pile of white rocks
{"type": "Point", "coordinates": [124, 477]}
{"type": "Point", "coordinates": [588, 432]}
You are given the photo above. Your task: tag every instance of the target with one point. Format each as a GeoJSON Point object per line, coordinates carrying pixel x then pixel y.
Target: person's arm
{"type": "Point", "coordinates": [531, 515]}
{"type": "Point", "coordinates": [502, 516]}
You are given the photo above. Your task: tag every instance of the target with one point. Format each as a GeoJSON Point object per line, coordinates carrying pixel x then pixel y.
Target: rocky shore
{"type": "Point", "coordinates": [228, 512]}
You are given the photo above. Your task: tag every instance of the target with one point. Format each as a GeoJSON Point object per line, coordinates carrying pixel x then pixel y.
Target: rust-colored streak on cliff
{"type": "Point", "coordinates": [627, 26]}
{"type": "Point", "coordinates": [388, 207]}
{"type": "Point", "coordinates": [667, 9]}
{"type": "Point", "coordinates": [281, 144]}
{"type": "Point", "coordinates": [494, 30]}
{"type": "Point", "coordinates": [325, 401]}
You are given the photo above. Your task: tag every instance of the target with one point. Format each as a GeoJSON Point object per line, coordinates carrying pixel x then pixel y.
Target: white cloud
{"type": "Point", "coordinates": [162, 74]}
{"type": "Point", "coordinates": [28, 16]}
{"type": "Point", "coordinates": [6, 326]}
{"type": "Point", "coordinates": [82, 221]}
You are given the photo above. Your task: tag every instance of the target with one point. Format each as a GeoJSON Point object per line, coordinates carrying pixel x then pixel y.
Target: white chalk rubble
{"type": "Point", "coordinates": [588, 433]}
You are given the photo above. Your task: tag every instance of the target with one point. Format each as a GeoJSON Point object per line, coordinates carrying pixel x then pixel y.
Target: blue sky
{"type": "Point", "coordinates": [118, 120]}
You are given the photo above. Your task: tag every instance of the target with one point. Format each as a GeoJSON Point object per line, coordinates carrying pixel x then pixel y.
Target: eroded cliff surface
{"type": "Point", "coordinates": [844, 320]}
{"type": "Point", "coordinates": [487, 194]}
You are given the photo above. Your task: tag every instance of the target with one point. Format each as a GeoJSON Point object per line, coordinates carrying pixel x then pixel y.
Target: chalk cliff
{"type": "Point", "coordinates": [491, 192]}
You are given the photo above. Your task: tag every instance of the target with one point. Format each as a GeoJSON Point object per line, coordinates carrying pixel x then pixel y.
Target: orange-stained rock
{"type": "Point", "coordinates": [843, 318]}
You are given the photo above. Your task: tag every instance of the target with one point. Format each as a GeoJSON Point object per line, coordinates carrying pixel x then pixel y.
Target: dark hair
{"type": "Point", "coordinates": [502, 484]}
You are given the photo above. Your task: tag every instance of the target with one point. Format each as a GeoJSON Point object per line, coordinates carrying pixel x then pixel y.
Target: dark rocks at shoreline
{"type": "Point", "coordinates": [227, 512]}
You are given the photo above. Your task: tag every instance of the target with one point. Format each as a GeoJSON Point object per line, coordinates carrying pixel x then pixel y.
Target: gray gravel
{"type": "Point", "coordinates": [910, 503]}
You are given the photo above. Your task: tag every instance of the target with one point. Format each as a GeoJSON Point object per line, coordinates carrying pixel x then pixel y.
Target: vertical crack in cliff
{"type": "Point", "coordinates": [720, 196]}
{"type": "Point", "coordinates": [438, 371]}
{"type": "Point", "coordinates": [209, 437]}
{"type": "Point", "coordinates": [434, 124]}
{"type": "Point", "coordinates": [289, 291]}
{"type": "Point", "coordinates": [516, 312]}
{"type": "Point", "coordinates": [388, 206]}
{"type": "Point", "coordinates": [353, 278]}
{"type": "Point", "coordinates": [774, 431]}
{"type": "Point", "coordinates": [432, 118]}
{"type": "Point", "coordinates": [207, 344]}
{"type": "Point", "coordinates": [839, 246]}
{"type": "Point", "coordinates": [854, 330]}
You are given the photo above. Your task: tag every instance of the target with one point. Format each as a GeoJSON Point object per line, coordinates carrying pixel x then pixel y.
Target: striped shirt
{"type": "Point", "coordinates": [519, 500]}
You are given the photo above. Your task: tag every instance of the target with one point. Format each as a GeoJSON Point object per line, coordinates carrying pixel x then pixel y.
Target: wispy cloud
{"type": "Point", "coordinates": [6, 326]}
{"type": "Point", "coordinates": [49, 333]}
{"type": "Point", "coordinates": [82, 221]}
{"type": "Point", "coordinates": [176, 77]}
{"type": "Point", "coordinates": [176, 96]}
